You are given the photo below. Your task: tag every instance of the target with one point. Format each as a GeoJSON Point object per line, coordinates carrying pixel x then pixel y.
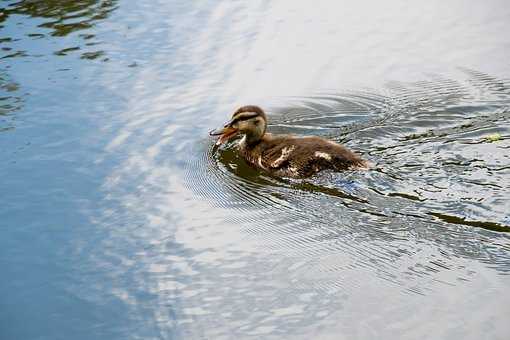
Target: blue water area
{"type": "Point", "coordinates": [120, 219]}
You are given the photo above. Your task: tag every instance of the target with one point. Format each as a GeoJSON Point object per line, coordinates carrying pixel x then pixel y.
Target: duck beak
{"type": "Point", "coordinates": [225, 133]}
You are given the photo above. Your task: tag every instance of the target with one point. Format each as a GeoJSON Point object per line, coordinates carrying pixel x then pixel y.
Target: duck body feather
{"type": "Point", "coordinates": [298, 157]}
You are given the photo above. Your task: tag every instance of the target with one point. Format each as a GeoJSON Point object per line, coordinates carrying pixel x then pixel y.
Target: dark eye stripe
{"type": "Point", "coordinates": [244, 117]}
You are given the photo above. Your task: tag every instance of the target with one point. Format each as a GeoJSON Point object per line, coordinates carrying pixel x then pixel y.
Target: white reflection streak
{"type": "Point", "coordinates": [289, 51]}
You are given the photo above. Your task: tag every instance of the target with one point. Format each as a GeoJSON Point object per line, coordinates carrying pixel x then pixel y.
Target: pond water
{"type": "Point", "coordinates": [120, 220]}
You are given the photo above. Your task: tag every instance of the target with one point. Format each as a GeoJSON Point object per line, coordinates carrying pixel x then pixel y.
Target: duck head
{"type": "Point", "coordinates": [248, 120]}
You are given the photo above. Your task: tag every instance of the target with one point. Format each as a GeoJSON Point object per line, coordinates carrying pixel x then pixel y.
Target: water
{"type": "Point", "coordinates": [120, 220]}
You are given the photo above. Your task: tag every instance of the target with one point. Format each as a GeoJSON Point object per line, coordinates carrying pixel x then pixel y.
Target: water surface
{"type": "Point", "coordinates": [121, 220]}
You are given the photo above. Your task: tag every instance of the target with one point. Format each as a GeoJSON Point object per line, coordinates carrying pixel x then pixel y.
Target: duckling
{"type": "Point", "coordinates": [284, 155]}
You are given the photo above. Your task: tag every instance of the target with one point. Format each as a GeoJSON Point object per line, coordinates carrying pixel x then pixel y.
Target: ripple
{"type": "Point", "coordinates": [10, 101]}
{"type": "Point", "coordinates": [431, 186]}
{"type": "Point", "coordinates": [57, 19]}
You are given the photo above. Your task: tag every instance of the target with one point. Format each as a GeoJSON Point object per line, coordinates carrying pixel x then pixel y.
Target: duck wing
{"type": "Point", "coordinates": [302, 157]}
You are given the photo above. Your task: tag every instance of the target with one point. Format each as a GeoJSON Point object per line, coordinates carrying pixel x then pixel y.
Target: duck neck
{"type": "Point", "coordinates": [254, 136]}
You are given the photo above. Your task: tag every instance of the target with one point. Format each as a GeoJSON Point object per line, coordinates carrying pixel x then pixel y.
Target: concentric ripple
{"type": "Point", "coordinates": [438, 192]}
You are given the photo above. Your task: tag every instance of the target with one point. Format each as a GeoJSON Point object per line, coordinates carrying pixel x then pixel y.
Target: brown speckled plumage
{"type": "Point", "coordinates": [285, 155]}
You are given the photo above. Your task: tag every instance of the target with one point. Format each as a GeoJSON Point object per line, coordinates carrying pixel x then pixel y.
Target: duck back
{"type": "Point", "coordinates": [299, 157]}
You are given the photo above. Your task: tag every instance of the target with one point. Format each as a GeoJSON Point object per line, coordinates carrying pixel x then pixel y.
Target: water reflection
{"type": "Point", "coordinates": [410, 222]}
{"type": "Point", "coordinates": [125, 223]}
{"type": "Point", "coordinates": [10, 101]}
{"type": "Point", "coordinates": [232, 252]}
{"type": "Point", "coordinates": [54, 18]}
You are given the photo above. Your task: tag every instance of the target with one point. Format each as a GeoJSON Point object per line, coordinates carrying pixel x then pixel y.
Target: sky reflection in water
{"type": "Point", "coordinates": [122, 222]}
